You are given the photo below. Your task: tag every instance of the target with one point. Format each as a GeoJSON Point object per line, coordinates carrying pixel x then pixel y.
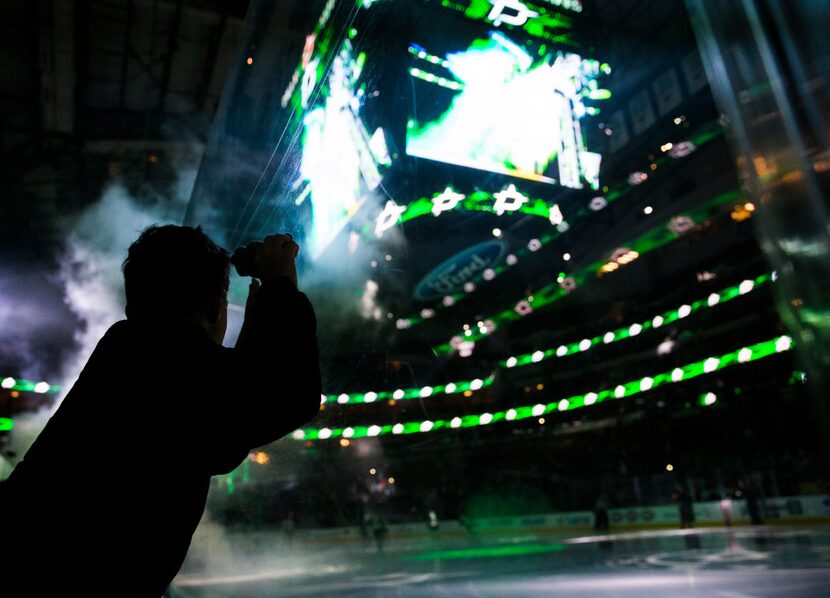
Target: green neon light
{"type": "Point", "coordinates": [437, 79]}
{"type": "Point", "coordinates": [707, 133]}
{"type": "Point", "coordinates": [650, 241]}
{"type": "Point", "coordinates": [478, 201]}
{"type": "Point", "coordinates": [6, 424]}
{"type": "Point", "coordinates": [403, 394]}
{"type": "Point", "coordinates": [431, 58]}
{"type": "Point", "coordinates": [627, 389]}
{"type": "Point", "coordinates": [627, 332]}
{"type": "Point", "coordinates": [11, 383]}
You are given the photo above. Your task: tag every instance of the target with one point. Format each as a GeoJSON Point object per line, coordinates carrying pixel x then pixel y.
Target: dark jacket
{"type": "Point", "coordinates": [108, 497]}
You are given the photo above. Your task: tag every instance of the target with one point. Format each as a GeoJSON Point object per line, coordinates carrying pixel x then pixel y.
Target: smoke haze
{"type": "Point", "coordinates": [89, 273]}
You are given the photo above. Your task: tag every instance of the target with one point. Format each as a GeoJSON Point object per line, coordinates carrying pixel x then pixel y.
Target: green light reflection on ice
{"type": "Point", "coordinates": [480, 552]}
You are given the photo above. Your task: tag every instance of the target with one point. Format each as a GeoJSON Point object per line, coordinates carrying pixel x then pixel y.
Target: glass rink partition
{"type": "Point", "coordinates": [567, 259]}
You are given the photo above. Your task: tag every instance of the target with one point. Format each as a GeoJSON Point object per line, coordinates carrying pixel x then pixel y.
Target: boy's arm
{"type": "Point", "coordinates": [272, 376]}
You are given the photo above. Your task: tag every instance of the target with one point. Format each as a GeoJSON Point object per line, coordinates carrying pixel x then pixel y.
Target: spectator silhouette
{"type": "Point", "coordinates": [106, 500]}
{"type": "Point", "coordinates": [686, 510]}
{"type": "Point", "coordinates": [601, 514]}
{"type": "Point", "coordinates": [747, 488]}
{"type": "Point", "coordinates": [685, 506]}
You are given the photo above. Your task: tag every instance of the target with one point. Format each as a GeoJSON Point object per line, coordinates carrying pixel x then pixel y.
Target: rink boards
{"type": "Point", "coordinates": [783, 510]}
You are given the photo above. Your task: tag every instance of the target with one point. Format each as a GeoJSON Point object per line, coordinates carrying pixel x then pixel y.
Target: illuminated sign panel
{"type": "Point", "coordinates": [450, 276]}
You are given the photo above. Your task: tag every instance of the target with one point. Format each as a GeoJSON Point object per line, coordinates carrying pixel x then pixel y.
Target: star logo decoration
{"type": "Point", "coordinates": [511, 12]}
{"type": "Point", "coordinates": [487, 327]}
{"type": "Point", "coordinates": [508, 200]}
{"type": "Point", "coordinates": [681, 224]}
{"type": "Point", "coordinates": [463, 346]}
{"type": "Point", "coordinates": [682, 149]}
{"type": "Point", "coordinates": [388, 218]}
{"type": "Point", "coordinates": [568, 284]}
{"type": "Point", "coordinates": [446, 201]}
{"type": "Point", "coordinates": [523, 308]}
{"type": "Point", "coordinates": [598, 203]}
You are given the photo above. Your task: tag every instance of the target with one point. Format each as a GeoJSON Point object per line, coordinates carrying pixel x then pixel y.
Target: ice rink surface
{"type": "Point", "coordinates": [734, 563]}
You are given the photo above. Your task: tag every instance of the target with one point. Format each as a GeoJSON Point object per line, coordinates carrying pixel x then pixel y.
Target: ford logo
{"type": "Point", "coordinates": [450, 275]}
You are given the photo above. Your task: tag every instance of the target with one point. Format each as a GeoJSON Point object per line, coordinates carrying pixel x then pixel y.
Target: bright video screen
{"type": "Point", "coordinates": [339, 157]}
{"type": "Point", "coordinates": [492, 103]}
{"type": "Point", "coordinates": [382, 87]}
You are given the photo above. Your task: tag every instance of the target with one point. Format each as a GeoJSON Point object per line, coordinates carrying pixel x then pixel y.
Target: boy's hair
{"type": "Point", "coordinates": [173, 271]}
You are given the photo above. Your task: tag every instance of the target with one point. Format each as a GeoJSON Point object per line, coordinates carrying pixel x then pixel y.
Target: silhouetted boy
{"type": "Point", "coordinates": [106, 500]}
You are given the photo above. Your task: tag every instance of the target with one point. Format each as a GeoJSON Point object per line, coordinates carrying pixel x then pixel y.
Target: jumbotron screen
{"type": "Point", "coordinates": [481, 86]}
{"type": "Point", "coordinates": [493, 104]}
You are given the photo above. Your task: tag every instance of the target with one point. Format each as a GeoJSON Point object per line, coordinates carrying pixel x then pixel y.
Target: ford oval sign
{"type": "Point", "coordinates": [450, 275]}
